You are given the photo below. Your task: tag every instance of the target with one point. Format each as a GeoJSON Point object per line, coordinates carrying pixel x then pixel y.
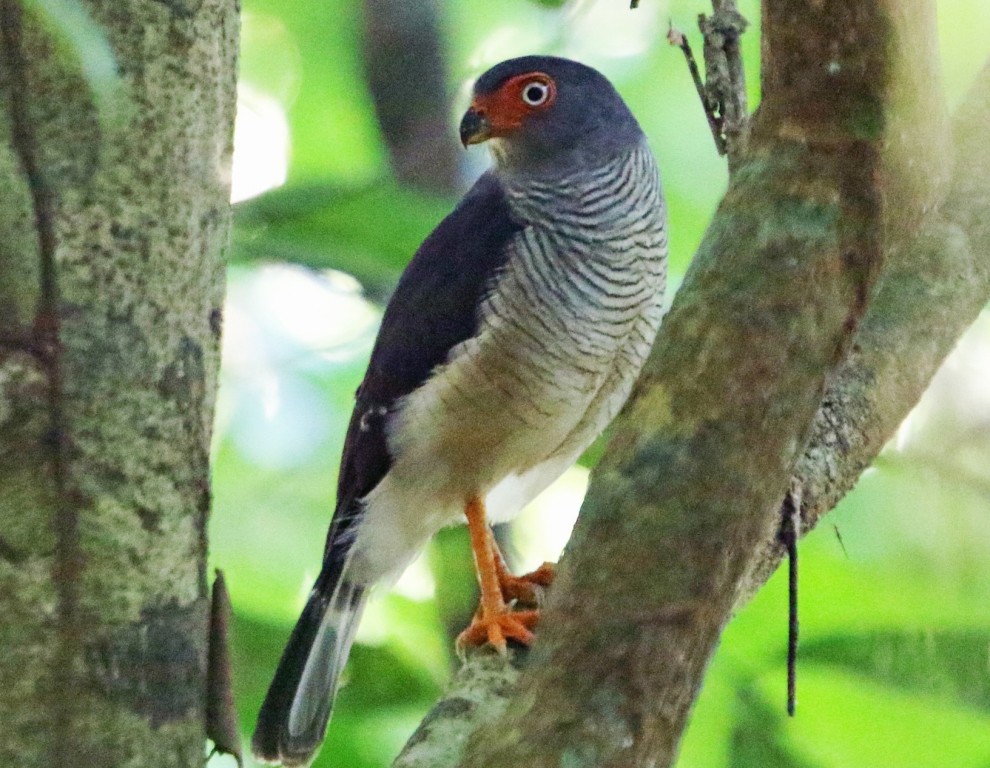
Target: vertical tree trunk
{"type": "Point", "coordinates": [114, 223]}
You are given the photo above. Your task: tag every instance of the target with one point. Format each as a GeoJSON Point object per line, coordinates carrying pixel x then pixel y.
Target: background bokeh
{"type": "Point", "coordinates": [895, 596]}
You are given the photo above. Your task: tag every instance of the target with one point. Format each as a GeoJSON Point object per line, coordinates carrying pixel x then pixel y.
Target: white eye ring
{"type": "Point", "coordinates": [535, 93]}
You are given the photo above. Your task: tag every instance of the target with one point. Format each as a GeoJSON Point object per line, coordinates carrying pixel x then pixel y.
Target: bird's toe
{"type": "Point", "coordinates": [528, 589]}
{"type": "Point", "coordinates": [497, 629]}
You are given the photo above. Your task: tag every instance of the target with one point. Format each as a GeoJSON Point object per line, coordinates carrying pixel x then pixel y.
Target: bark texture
{"type": "Point", "coordinates": [680, 521]}
{"type": "Point", "coordinates": [936, 280]}
{"type": "Point", "coordinates": [111, 280]}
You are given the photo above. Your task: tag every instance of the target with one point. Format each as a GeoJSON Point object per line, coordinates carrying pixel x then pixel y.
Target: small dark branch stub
{"type": "Point", "coordinates": [221, 712]}
{"type": "Point", "coordinates": [788, 534]}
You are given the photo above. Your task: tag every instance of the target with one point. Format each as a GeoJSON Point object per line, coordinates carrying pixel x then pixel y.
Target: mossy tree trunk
{"type": "Point", "coordinates": [113, 225]}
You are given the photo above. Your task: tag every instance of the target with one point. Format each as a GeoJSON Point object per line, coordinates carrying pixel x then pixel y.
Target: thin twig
{"type": "Point", "coordinates": [677, 38]}
{"type": "Point", "coordinates": [842, 544]}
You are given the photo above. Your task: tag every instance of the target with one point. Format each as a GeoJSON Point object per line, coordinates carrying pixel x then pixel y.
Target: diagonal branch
{"type": "Point", "coordinates": [937, 280]}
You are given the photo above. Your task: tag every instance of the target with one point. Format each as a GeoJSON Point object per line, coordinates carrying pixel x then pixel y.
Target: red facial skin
{"type": "Point", "coordinates": [506, 109]}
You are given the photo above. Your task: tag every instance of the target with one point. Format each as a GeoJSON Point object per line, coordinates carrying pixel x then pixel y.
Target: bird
{"type": "Point", "coordinates": [512, 339]}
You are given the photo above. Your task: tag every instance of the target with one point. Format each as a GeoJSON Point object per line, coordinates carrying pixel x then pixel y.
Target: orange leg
{"type": "Point", "coordinates": [494, 622]}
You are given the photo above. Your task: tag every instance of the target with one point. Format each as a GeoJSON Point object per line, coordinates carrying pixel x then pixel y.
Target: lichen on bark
{"type": "Point", "coordinates": [108, 361]}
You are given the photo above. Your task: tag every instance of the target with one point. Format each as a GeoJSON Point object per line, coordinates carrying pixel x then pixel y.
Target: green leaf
{"type": "Point", "coordinates": [267, 532]}
{"type": "Point", "coordinates": [943, 664]}
{"type": "Point", "coordinates": [381, 700]}
{"type": "Point", "coordinates": [452, 566]}
{"type": "Point", "coordinates": [707, 739]}
{"type": "Point", "coordinates": [370, 232]}
{"type": "Point", "coordinates": [847, 721]}
{"type": "Point", "coordinates": [332, 122]}
{"type": "Point", "coordinates": [759, 738]}
{"type": "Point", "coordinates": [380, 677]}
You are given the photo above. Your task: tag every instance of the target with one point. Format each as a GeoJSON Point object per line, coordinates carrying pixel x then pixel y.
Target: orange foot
{"type": "Point", "coordinates": [527, 589]}
{"type": "Point", "coordinates": [495, 628]}
{"type": "Point", "coordinates": [495, 621]}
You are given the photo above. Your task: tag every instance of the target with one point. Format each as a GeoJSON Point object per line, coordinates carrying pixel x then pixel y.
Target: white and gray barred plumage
{"type": "Point", "coordinates": [562, 336]}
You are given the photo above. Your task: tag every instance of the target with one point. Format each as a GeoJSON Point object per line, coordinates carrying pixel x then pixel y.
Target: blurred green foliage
{"type": "Point", "coordinates": [373, 228]}
{"type": "Point", "coordinates": [895, 625]}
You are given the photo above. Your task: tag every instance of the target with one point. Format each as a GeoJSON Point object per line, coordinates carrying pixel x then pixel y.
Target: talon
{"type": "Point", "coordinates": [526, 589]}
{"type": "Point", "coordinates": [495, 622]}
{"type": "Point", "coordinates": [496, 629]}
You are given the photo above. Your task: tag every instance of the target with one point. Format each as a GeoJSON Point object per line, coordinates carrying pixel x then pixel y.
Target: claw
{"type": "Point", "coordinates": [526, 589]}
{"type": "Point", "coordinates": [497, 629]}
{"type": "Point", "coordinates": [496, 622]}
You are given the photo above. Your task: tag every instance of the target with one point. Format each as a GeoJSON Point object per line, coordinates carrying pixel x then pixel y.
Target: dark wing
{"type": "Point", "coordinates": [434, 307]}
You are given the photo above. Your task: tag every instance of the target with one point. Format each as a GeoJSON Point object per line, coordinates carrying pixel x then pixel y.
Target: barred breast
{"type": "Point", "coordinates": [562, 336]}
{"type": "Point", "coordinates": [595, 274]}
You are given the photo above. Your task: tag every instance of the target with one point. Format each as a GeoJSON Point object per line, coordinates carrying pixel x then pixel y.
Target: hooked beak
{"type": "Point", "coordinates": [475, 127]}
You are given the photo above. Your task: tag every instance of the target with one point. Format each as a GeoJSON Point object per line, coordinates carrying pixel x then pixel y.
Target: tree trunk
{"type": "Point", "coordinates": [404, 68]}
{"type": "Point", "coordinates": [114, 215]}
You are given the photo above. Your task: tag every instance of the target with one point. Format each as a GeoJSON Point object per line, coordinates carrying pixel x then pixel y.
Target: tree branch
{"type": "Point", "coordinates": [477, 695]}
{"type": "Point", "coordinates": [726, 84]}
{"type": "Point", "coordinates": [936, 283]}
{"type": "Point", "coordinates": [723, 96]}
{"type": "Point", "coordinates": [404, 66]}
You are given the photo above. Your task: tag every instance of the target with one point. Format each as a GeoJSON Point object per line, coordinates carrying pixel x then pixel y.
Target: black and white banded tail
{"type": "Point", "coordinates": [294, 716]}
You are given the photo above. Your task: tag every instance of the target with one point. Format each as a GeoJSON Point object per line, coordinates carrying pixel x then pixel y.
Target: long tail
{"type": "Point", "coordinates": [293, 718]}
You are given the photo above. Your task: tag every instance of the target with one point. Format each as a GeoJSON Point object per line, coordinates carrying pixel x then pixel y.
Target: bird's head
{"type": "Point", "coordinates": [543, 111]}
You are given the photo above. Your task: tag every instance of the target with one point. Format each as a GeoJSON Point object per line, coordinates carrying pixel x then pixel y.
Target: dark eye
{"type": "Point", "coordinates": [535, 93]}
